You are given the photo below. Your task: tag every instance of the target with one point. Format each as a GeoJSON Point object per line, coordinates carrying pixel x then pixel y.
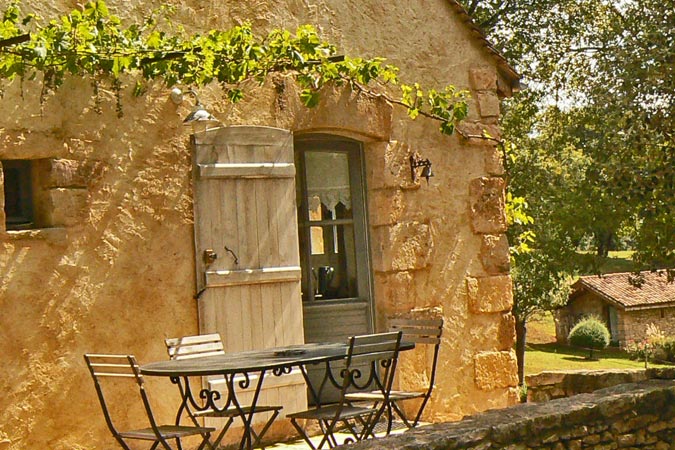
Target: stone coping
{"type": "Point", "coordinates": [535, 422]}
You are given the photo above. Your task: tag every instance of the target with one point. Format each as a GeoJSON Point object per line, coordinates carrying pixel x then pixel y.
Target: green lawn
{"type": "Point", "coordinates": [617, 261]}
{"type": "Point", "coordinates": [543, 353]}
{"type": "Point", "coordinates": [551, 356]}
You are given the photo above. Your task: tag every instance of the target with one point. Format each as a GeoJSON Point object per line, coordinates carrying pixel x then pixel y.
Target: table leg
{"type": "Point", "coordinates": [249, 438]}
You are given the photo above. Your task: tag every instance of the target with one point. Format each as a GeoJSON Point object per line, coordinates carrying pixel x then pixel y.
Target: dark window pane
{"type": "Point", "coordinates": [18, 195]}
{"type": "Point", "coordinates": [334, 271]}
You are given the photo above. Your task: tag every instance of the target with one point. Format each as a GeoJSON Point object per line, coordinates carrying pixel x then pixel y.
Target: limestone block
{"type": "Point", "coordinates": [60, 173]}
{"type": "Point", "coordinates": [2, 200]}
{"type": "Point", "coordinates": [488, 104]}
{"type": "Point", "coordinates": [479, 133]}
{"type": "Point", "coordinates": [395, 292]}
{"type": "Point", "coordinates": [473, 113]}
{"type": "Point", "coordinates": [494, 370]}
{"type": "Point", "coordinates": [483, 78]}
{"type": "Point", "coordinates": [494, 254]}
{"type": "Point", "coordinates": [488, 205]}
{"type": "Point", "coordinates": [545, 378]}
{"type": "Point", "coordinates": [506, 337]}
{"type": "Point", "coordinates": [387, 164]}
{"type": "Point", "coordinates": [489, 294]}
{"type": "Point", "coordinates": [494, 161]}
{"type": "Point", "coordinates": [403, 246]}
{"type": "Point", "coordinates": [386, 207]}
{"type": "Point", "coordinates": [65, 207]}
{"type": "Point", "coordinates": [574, 445]}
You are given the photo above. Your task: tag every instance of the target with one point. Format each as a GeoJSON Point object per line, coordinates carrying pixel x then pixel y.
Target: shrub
{"type": "Point", "coordinates": [590, 333]}
{"type": "Point", "coordinates": [668, 346]}
{"type": "Point", "coordinates": [656, 347]}
{"type": "Point", "coordinates": [636, 350]}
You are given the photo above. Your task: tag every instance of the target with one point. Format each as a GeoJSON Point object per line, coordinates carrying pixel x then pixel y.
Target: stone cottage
{"type": "Point", "coordinates": [113, 236]}
{"type": "Point", "coordinates": [627, 304]}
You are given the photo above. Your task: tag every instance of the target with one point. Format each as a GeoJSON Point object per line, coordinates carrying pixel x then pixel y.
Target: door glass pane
{"type": "Point", "coordinates": [334, 271]}
{"type": "Point", "coordinates": [327, 175]}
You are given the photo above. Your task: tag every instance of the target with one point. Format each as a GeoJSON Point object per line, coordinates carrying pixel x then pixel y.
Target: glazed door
{"type": "Point", "coordinates": [336, 275]}
{"type": "Point", "coordinates": [246, 245]}
{"type": "Point", "coordinates": [334, 254]}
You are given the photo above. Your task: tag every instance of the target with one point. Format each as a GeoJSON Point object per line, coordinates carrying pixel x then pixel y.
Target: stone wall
{"type": "Point", "coordinates": [635, 323]}
{"type": "Point", "coordinates": [110, 267]}
{"type": "Point", "coordinates": [631, 324]}
{"type": "Point", "coordinates": [638, 415]}
{"type": "Point", "coordinates": [550, 385]}
{"type": "Point", "coordinates": [584, 305]}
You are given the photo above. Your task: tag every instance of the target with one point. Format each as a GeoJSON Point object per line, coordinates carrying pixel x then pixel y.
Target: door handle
{"type": "Point", "coordinates": [209, 256]}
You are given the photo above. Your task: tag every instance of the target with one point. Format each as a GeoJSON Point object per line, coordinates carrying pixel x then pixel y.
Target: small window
{"type": "Point", "coordinates": [18, 194]}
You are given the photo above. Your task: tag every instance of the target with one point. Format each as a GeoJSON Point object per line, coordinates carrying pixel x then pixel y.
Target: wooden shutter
{"type": "Point", "coordinates": [245, 216]}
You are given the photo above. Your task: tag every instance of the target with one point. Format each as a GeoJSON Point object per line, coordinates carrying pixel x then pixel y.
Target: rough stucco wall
{"type": "Point", "coordinates": [118, 279]}
{"type": "Point", "coordinates": [120, 276]}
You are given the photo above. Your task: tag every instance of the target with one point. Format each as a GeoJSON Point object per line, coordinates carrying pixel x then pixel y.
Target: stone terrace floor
{"type": "Point", "coordinates": [398, 427]}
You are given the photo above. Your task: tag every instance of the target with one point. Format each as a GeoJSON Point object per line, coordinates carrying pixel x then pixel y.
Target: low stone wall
{"type": "Point", "coordinates": [547, 386]}
{"type": "Point", "coordinates": [636, 415]}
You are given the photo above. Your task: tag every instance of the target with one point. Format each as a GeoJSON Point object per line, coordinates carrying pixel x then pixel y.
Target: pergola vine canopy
{"type": "Point", "coordinates": [92, 42]}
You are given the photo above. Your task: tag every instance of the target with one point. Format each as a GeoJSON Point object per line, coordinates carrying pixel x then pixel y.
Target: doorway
{"type": "Point", "coordinates": [333, 239]}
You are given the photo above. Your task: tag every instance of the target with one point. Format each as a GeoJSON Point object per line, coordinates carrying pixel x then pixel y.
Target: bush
{"type": "Point", "coordinates": [637, 351]}
{"type": "Point", "coordinates": [590, 333]}
{"type": "Point", "coordinates": [668, 346]}
{"type": "Point", "coordinates": [656, 347]}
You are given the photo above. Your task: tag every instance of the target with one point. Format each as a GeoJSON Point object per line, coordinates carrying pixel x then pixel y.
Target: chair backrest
{"type": "Point", "coordinates": [117, 368]}
{"type": "Point", "coordinates": [421, 331]}
{"type": "Point", "coordinates": [187, 347]}
{"type": "Point", "coordinates": [376, 352]}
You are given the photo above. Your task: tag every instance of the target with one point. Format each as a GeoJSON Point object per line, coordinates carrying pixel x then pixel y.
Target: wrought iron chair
{"type": "Point", "coordinates": [108, 369]}
{"type": "Point", "coordinates": [422, 332]}
{"type": "Point", "coordinates": [375, 354]}
{"type": "Point", "coordinates": [200, 346]}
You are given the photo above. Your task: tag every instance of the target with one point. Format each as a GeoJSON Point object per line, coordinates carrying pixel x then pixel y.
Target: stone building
{"type": "Point", "coordinates": [627, 305]}
{"type": "Point", "coordinates": [116, 248]}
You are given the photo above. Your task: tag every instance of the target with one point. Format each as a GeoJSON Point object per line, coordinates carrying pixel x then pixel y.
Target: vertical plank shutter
{"type": "Point", "coordinates": [246, 239]}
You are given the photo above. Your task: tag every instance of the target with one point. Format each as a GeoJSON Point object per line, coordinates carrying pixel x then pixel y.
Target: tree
{"type": "Point", "coordinates": [591, 139]}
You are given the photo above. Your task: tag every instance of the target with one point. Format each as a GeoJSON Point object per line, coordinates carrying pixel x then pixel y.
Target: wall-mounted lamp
{"type": "Point", "coordinates": [199, 115]}
{"type": "Point", "coordinates": [415, 162]}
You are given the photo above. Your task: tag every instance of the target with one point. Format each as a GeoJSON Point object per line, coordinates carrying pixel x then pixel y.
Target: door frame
{"type": "Point", "coordinates": [357, 177]}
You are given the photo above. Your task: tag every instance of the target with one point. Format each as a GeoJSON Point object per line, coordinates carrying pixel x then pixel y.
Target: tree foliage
{"type": "Point", "coordinates": [91, 42]}
{"type": "Point", "coordinates": [602, 76]}
{"type": "Point", "coordinates": [591, 147]}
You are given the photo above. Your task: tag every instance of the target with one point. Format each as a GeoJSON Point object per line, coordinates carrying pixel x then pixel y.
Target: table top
{"type": "Point", "coordinates": [252, 360]}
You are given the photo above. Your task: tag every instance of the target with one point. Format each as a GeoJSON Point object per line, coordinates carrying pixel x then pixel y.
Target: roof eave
{"type": "Point", "coordinates": [508, 73]}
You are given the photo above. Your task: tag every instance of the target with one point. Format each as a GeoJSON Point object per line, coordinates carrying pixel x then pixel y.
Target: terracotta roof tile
{"type": "Point", "coordinates": [616, 288]}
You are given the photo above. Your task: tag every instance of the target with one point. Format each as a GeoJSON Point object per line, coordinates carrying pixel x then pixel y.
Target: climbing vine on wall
{"type": "Point", "coordinates": [91, 42]}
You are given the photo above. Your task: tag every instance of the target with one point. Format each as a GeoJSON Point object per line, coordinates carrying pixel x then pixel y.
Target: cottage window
{"type": "Point", "coordinates": [331, 218]}
{"type": "Point", "coordinates": [17, 175]}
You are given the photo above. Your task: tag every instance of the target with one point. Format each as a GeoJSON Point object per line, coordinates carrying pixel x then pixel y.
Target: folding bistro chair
{"type": "Point", "coordinates": [375, 354]}
{"type": "Point", "coordinates": [108, 369]}
{"type": "Point", "coordinates": [200, 346]}
{"type": "Point", "coordinates": [422, 332]}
